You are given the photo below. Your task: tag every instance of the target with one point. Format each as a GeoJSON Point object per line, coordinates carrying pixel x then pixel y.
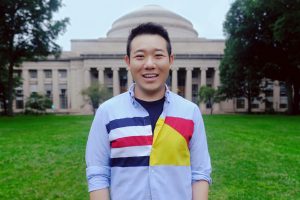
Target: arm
{"type": "Point", "coordinates": [102, 194]}
{"type": "Point", "coordinates": [98, 158]}
{"type": "Point", "coordinates": [200, 159]}
{"type": "Point", "coordinates": [200, 190]}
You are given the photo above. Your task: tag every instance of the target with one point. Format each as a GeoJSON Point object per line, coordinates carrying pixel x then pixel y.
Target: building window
{"type": "Point", "coordinates": [19, 98]}
{"type": "Point", "coordinates": [208, 105]}
{"type": "Point", "coordinates": [195, 73]}
{"type": "Point", "coordinates": [269, 93]}
{"type": "Point", "coordinates": [33, 88]}
{"type": "Point", "coordinates": [240, 103]}
{"type": "Point", "coordinates": [94, 76]}
{"type": "Point", "coordinates": [48, 73]}
{"type": "Point", "coordinates": [62, 73]}
{"type": "Point", "coordinates": [209, 73]}
{"type": "Point", "coordinates": [169, 79]}
{"type": "Point", "coordinates": [283, 91]}
{"type": "Point", "coordinates": [255, 103]}
{"type": "Point", "coordinates": [63, 96]}
{"type": "Point", "coordinates": [283, 102]}
{"type": "Point", "coordinates": [17, 73]}
{"type": "Point", "coordinates": [48, 90]}
{"type": "Point", "coordinates": [109, 73]}
{"type": "Point", "coordinates": [283, 105]}
{"type": "Point", "coordinates": [123, 79]}
{"type": "Point", "coordinates": [33, 73]}
{"type": "Point", "coordinates": [19, 103]}
{"type": "Point", "coordinates": [195, 93]}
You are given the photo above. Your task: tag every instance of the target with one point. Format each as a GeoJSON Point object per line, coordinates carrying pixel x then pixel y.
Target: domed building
{"type": "Point", "coordinates": [101, 61]}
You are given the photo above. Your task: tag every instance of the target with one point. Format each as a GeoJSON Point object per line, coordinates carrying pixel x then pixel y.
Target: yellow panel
{"type": "Point", "coordinates": [159, 124]}
{"type": "Point", "coordinates": [169, 147]}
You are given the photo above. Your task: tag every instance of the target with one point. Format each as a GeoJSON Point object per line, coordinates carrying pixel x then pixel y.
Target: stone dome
{"type": "Point", "coordinates": [177, 26]}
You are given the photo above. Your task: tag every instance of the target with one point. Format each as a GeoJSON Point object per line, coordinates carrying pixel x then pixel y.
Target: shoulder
{"type": "Point", "coordinates": [182, 108]}
{"type": "Point", "coordinates": [179, 101]}
{"type": "Point", "coordinates": [116, 101]}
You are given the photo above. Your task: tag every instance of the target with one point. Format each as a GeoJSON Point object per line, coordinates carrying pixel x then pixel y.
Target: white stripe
{"type": "Point", "coordinates": [130, 151]}
{"type": "Point", "coordinates": [130, 131]}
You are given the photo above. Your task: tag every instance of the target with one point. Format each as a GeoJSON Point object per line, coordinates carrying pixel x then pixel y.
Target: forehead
{"type": "Point", "coordinates": [148, 42]}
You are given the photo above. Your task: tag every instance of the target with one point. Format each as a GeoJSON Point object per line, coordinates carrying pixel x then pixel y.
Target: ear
{"type": "Point", "coordinates": [127, 61]}
{"type": "Point", "coordinates": [171, 59]}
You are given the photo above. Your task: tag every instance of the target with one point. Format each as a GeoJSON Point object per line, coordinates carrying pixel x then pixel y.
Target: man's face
{"type": "Point", "coordinates": [149, 64]}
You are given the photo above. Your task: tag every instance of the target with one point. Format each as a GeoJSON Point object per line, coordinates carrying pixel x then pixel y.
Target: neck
{"type": "Point", "coordinates": [149, 95]}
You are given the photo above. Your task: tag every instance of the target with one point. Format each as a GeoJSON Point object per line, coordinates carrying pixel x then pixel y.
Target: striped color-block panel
{"type": "Point", "coordinates": [130, 140]}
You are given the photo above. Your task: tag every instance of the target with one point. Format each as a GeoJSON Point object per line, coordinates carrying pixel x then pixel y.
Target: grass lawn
{"type": "Point", "coordinates": [253, 157]}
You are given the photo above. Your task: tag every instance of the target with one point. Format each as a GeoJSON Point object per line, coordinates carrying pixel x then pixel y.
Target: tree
{"type": "Point", "coordinates": [268, 37]}
{"type": "Point", "coordinates": [209, 96]}
{"type": "Point", "coordinates": [96, 95]}
{"type": "Point", "coordinates": [27, 32]}
{"type": "Point", "coordinates": [239, 77]}
{"type": "Point", "coordinates": [37, 103]}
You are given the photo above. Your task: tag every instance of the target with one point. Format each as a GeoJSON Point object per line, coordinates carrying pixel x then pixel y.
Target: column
{"type": "Point", "coordinates": [217, 78]}
{"type": "Point", "coordinates": [87, 78]}
{"type": "Point", "coordinates": [188, 84]}
{"type": "Point", "coordinates": [116, 82]}
{"type": "Point", "coordinates": [216, 107]}
{"type": "Point", "coordinates": [174, 80]}
{"type": "Point", "coordinates": [203, 76]}
{"type": "Point", "coordinates": [129, 78]}
{"type": "Point", "coordinates": [276, 95]}
{"type": "Point", "coordinates": [25, 77]}
{"type": "Point", "coordinates": [101, 76]}
{"type": "Point", "coordinates": [74, 87]}
{"type": "Point", "coordinates": [40, 80]}
{"type": "Point", "coordinates": [55, 88]}
{"type": "Point", "coordinates": [69, 86]}
{"type": "Point", "coordinates": [203, 83]}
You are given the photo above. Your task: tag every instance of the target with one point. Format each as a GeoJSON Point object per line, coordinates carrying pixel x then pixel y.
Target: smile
{"type": "Point", "coordinates": [150, 75]}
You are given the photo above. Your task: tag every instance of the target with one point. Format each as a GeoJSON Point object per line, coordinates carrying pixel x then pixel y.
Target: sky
{"type": "Point", "coordinates": [91, 19]}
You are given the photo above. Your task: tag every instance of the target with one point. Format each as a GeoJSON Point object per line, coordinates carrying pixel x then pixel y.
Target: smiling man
{"type": "Point", "coordinates": [148, 143]}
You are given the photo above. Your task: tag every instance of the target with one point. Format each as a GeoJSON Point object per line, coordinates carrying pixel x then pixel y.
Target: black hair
{"type": "Point", "coordinates": [148, 28]}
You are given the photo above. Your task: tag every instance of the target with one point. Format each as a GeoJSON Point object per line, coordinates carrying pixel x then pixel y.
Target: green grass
{"type": "Point", "coordinates": [253, 157]}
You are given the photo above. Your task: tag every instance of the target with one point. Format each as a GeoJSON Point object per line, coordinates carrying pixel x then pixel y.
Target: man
{"type": "Point", "coordinates": [148, 143]}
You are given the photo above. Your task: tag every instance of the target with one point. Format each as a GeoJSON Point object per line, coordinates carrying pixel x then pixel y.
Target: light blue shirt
{"type": "Point", "coordinates": [123, 154]}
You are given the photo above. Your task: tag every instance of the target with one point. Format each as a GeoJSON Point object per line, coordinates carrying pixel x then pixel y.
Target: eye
{"type": "Point", "coordinates": [139, 57]}
{"type": "Point", "coordinates": [159, 56]}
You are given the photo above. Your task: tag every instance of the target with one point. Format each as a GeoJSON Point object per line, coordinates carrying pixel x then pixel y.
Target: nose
{"type": "Point", "coordinates": [149, 62]}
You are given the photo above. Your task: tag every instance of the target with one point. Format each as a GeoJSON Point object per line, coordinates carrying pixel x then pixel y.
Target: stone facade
{"type": "Point", "coordinates": [100, 60]}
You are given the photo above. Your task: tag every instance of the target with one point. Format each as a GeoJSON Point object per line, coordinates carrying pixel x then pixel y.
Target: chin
{"type": "Point", "coordinates": [154, 89]}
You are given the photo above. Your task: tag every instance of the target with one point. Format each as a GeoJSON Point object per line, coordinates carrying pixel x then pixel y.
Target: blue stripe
{"type": "Point", "coordinates": [130, 161]}
{"type": "Point", "coordinates": [135, 121]}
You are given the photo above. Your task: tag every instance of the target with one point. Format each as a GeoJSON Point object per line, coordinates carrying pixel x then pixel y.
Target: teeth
{"type": "Point", "coordinates": [149, 75]}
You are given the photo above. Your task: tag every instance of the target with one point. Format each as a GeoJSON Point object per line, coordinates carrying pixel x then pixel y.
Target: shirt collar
{"type": "Point", "coordinates": [133, 101]}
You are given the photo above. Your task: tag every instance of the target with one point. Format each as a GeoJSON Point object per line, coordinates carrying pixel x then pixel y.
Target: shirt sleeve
{"type": "Point", "coordinates": [200, 159]}
{"type": "Point", "coordinates": [98, 154]}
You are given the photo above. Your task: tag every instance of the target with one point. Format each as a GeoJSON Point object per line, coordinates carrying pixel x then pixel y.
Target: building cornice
{"type": "Point", "coordinates": [121, 56]}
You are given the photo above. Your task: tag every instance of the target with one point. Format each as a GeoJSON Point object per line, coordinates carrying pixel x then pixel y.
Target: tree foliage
{"type": "Point", "coordinates": [209, 95]}
{"type": "Point", "coordinates": [37, 103]}
{"type": "Point", "coordinates": [96, 95]}
{"type": "Point", "coordinates": [239, 77]}
{"type": "Point", "coordinates": [27, 31]}
{"type": "Point", "coordinates": [263, 38]}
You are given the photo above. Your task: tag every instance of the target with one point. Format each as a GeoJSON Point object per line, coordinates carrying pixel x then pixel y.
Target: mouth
{"type": "Point", "coordinates": [150, 76]}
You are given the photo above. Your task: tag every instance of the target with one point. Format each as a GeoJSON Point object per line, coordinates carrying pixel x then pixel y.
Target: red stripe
{"type": "Point", "coordinates": [184, 126]}
{"type": "Point", "coordinates": [131, 141]}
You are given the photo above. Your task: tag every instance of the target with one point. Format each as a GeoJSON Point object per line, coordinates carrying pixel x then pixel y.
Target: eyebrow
{"type": "Point", "coordinates": [142, 51]}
